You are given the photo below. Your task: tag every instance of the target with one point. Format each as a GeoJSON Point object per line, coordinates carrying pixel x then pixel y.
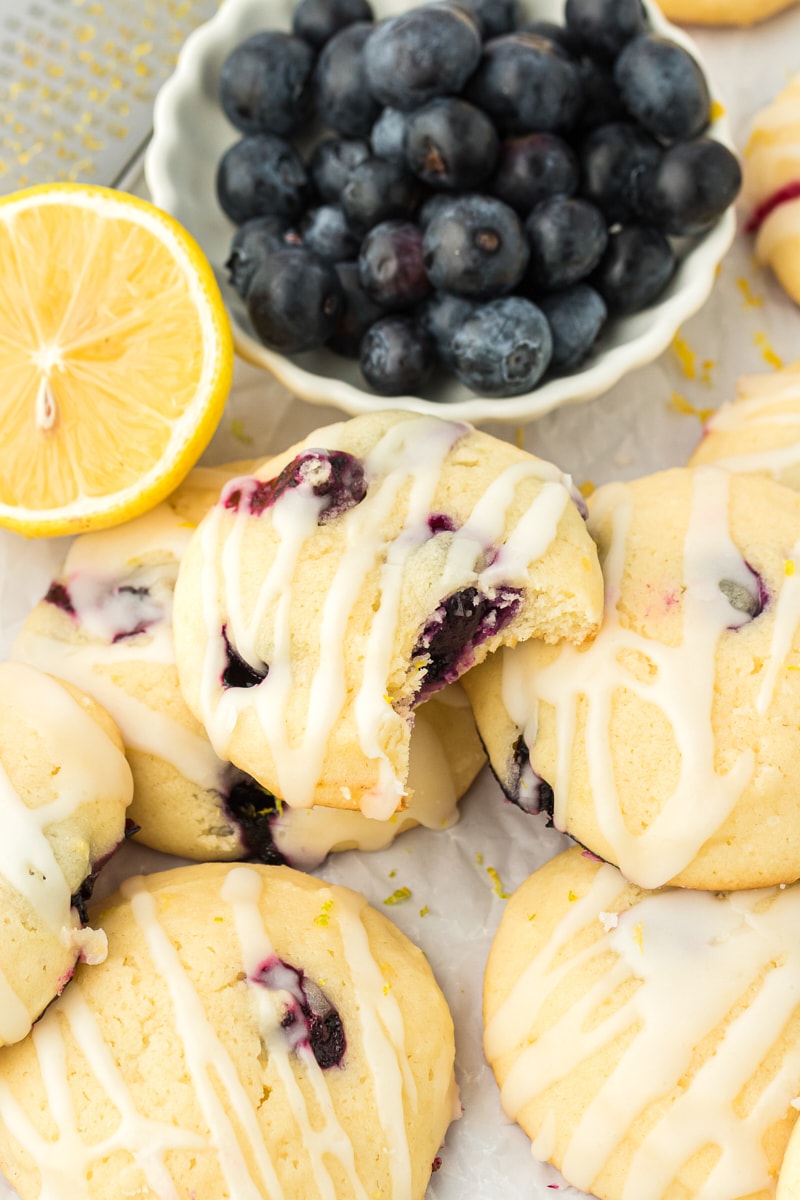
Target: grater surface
{"type": "Point", "coordinates": [78, 79]}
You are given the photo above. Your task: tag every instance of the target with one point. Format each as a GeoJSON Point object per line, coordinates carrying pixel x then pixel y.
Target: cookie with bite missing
{"type": "Point", "coordinates": [722, 12]}
{"type": "Point", "coordinates": [759, 432]}
{"type": "Point", "coordinates": [669, 743]}
{"type": "Point", "coordinates": [106, 625]}
{"type": "Point", "coordinates": [64, 790]}
{"type": "Point", "coordinates": [647, 1042]}
{"type": "Point", "coordinates": [343, 583]}
{"type": "Point", "coordinates": [253, 1032]}
{"type": "Point", "coordinates": [771, 187]}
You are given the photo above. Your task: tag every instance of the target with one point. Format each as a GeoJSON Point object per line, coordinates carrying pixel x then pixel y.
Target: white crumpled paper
{"type": "Point", "coordinates": [459, 878]}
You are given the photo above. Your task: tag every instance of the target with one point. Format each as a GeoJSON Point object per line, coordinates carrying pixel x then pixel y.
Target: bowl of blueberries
{"type": "Point", "coordinates": [500, 206]}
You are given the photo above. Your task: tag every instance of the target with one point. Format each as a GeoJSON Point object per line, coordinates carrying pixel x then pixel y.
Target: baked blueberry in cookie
{"type": "Point", "coordinates": [337, 479]}
{"type": "Point", "coordinates": [310, 1018]}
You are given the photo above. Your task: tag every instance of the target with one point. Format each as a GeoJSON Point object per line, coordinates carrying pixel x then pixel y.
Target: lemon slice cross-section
{"type": "Point", "coordinates": [116, 357]}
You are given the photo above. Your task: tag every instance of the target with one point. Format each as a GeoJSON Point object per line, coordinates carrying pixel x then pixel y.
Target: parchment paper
{"type": "Point", "coordinates": [651, 420]}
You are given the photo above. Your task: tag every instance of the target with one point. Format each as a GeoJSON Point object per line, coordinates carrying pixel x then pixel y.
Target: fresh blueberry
{"type": "Point", "coordinates": [441, 315]}
{"type": "Point", "coordinates": [526, 85]}
{"type": "Point", "coordinates": [604, 27]}
{"type": "Point", "coordinates": [388, 135]}
{"type": "Point", "coordinates": [325, 232]}
{"type": "Point", "coordinates": [663, 88]}
{"type": "Point", "coordinates": [475, 246]}
{"type": "Point", "coordinates": [390, 265]}
{"type": "Point", "coordinates": [265, 84]}
{"type": "Point", "coordinates": [575, 316]}
{"type": "Point", "coordinates": [450, 144]}
{"type": "Point", "coordinates": [437, 202]}
{"type": "Point", "coordinates": [239, 673]}
{"type": "Point", "coordinates": [427, 52]}
{"type": "Point", "coordinates": [340, 89]}
{"type": "Point", "coordinates": [533, 168]}
{"type": "Point", "coordinates": [397, 356]}
{"type": "Point", "coordinates": [333, 476]}
{"type": "Point", "coordinates": [358, 313]}
{"type": "Point", "coordinates": [559, 35]}
{"type": "Point", "coordinates": [690, 187]}
{"type": "Point", "coordinates": [602, 102]}
{"type": "Point", "coordinates": [635, 269]}
{"type": "Point", "coordinates": [331, 163]}
{"type": "Point", "coordinates": [253, 810]}
{"type": "Point", "coordinates": [613, 157]}
{"type": "Point", "coordinates": [294, 301]}
{"type": "Point", "coordinates": [253, 242]}
{"type": "Point", "coordinates": [316, 21]}
{"type": "Point", "coordinates": [493, 17]}
{"type": "Point", "coordinates": [460, 624]}
{"type": "Point", "coordinates": [567, 237]}
{"type": "Point", "coordinates": [503, 348]}
{"type": "Point", "coordinates": [378, 191]}
{"type": "Point", "coordinates": [260, 176]}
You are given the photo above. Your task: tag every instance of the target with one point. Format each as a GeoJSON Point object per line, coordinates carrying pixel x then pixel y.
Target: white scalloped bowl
{"type": "Point", "coordinates": [190, 136]}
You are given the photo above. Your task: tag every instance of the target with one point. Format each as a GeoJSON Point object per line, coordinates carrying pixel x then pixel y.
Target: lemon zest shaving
{"type": "Point", "coordinates": [751, 298]}
{"type": "Point", "coordinates": [717, 110]}
{"type": "Point", "coordinates": [683, 406]}
{"type": "Point", "coordinates": [768, 353]}
{"type": "Point", "coordinates": [399, 896]}
{"type": "Point", "coordinates": [478, 858]}
{"type": "Point", "coordinates": [423, 912]}
{"type": "Point", "coordinates": [497, 883]}
{"type": "Point", "coordinates": [323, 917]}
{"type": "Point", "coordinates": [571, 896]}
{"type": "Point", "coordinates": [789, 567]}
{"type": "Point", "coordinates": [686, 356]}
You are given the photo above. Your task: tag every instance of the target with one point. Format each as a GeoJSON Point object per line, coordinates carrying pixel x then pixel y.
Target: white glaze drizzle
{"type": "Point", "coordinates": [695, 954]}
{"type": "Point", "coordinates": [703, 797]}
{"type": "Point", "coordinates": [84, 756]}
{"type": "Point", "coordinates": [785, 619]}
{"type": "Point", "coordinates": [748, 414]}
{"type": "Point", "coordinates": [414, 451]}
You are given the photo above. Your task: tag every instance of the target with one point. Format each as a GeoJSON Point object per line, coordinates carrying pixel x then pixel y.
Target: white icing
{"type": "Point", "coordinates": [409, 459]}
{"type": "Point", "coordinates": [703, 797]}
{"type": "Point", "coordinates": [748, 416]}
{"type": "Point", "coordinates": [695, 955]}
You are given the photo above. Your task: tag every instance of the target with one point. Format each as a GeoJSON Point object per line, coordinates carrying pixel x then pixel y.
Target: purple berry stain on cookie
{"type": "Point", "coordinates": [334, 477]}
{"type": "Point", "coordinates": [310, 1019]}
{"type": "Point", "coordinates": [110, 611]}
{"type": "Point", "coordinates": [58, 595]}
{"type": "Point", "coordinates": [253, 811]}
{"type": "Point", "coordinates": [441, 523]}
{"type": "Point", "coordinates": [460, 624]}
{"type": "Point", "coordinates": [239, 673]}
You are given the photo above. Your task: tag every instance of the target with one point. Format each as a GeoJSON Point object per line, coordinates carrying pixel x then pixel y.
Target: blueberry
{"type": "Point", "coordinates": [493, 17]}
{"type": "Point", "coordinates": [437, 202]}
{"type": "Point", "coordinates": [253, 242]}
{"type": "Point", "coordinates": [253, 810]}
{"type": "Point", "coordinates": [613, 157]}
{"type": "Point", "coordinates": [414, 57]}
{"type": "Point", "coordinates": [567, 237]}
{"type": "Point", "coordinates": [310, 1017]}
{"type": "Point", "coordinates": [524, 787]}
{"type": "Point", "coordinates": [239, 673]}
{"type": "Point", "coordinates": [663, 88]}
{"type": "Point", "coordinates": [262, 175]}
{"type": "Point", "coordinates": [316, 21]}
{"type": "Point", "coordinates": [397, 356]}
{"type": "Point", "coordinates": [331, 163]}
{"type": "Point", "coordinates": [460, 624]}
{"type": "Point", "coordinates": [475, 246]}
{"type": "Point", "coordinates": [690, 187]}
{"type": "Point", "coordinates": [741, 598]}
{"type": "Point", "coordinates": [533, 168]}
{"type": "Point", "coordinates": [503, 348]}
{"type": "Point", "coordinates": [602, 101]}
{"type": "Point", "coordinates": [265, 84]}
{"type": "Point", "coordinates": [378, 191]}
{"type": "Point", "coordinates": [575, 316]}
{"type": "Point", "coordinates": [635, 269]}
{"type": "Point", "coordinates": [388, 135]}
{"type": "Point", "coordinates": [605, 26]}
{"type": "Point", "coordinates": [526, 85]}
{"type": "Point", "coordinates": [325, 232]}
{"type": "Point", "coordinates": [334, 476]}
{"type": "Point", "coordinates": [450, 144]}
{"type": "Point", "coordinates": [340, 89]}
{"type": "Point", "coordinates": [294, 301]}
{"type": "Point", "coordinates": [358, 313]}
{"type": "Point", "coordinates": [390, 264]}
{"type": "Point", "coordinates": [441, 315]}
{"type": "Point", "coordinates": [58, 595]}
{"type": "Point", "coordinates": [559, 35]}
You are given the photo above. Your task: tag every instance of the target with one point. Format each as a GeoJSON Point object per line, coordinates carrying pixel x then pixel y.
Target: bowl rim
{"type": "Point", "coordinates": [697, 272]}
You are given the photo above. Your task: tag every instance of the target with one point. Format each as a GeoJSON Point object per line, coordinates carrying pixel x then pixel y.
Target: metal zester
{"type": "Point", "coordinates": [77, 83]}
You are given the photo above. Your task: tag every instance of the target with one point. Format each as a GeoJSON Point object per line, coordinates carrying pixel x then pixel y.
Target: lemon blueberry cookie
{"type": "Point", "coordinates": [106, 625]}
{"type": "Point", "coordinates": [771, 186]}
{"type": "Point", "coordinates": [64, 790]}
{"type": "Point", "coordinates": [668, 743]}
{"type": "Point", "coordinates": [647, 1042]}
{"type": "Point", "coordinates": [253, 1032]}
{"type": "Point", "coordinates": [759, 432]}
{"type": "Point", "coordinates": [352, 577]}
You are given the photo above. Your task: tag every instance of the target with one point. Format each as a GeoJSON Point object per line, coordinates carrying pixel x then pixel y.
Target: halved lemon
{"type": "Point", "coordinates": [116, 357]}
